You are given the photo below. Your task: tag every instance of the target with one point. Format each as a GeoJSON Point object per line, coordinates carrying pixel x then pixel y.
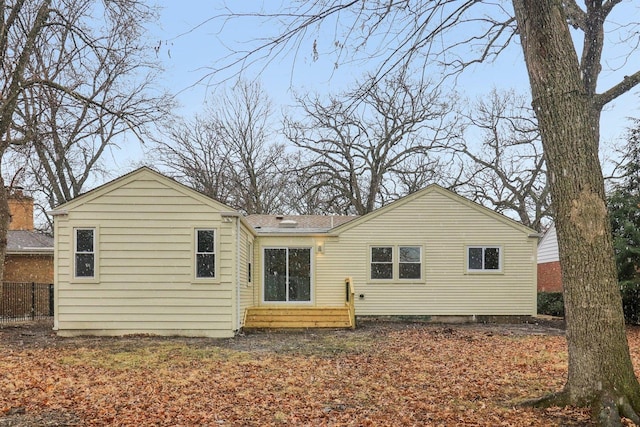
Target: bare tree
{"type": "Point", "coordinates": [228, 153]}
{"type": "Point", "coordinates": [193, 153]}
{"type": "Point", "coordinates": [600, 368]}
{"type": "Point", "coordinates": [355, 150]}
{"type": "Point", "coordinates": [47, 49]}
{"type": "Point", "coordinates": [564, 74]}
{"type": "Point", "coordinates": [69, 137]}
{"type": "Point", "coordinates": [506, 172]}
{"type": "Point", "coordinates": [310, 197]}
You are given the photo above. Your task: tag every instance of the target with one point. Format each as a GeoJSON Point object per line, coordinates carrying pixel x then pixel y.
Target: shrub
{"type": "Point", "coordinates": [551, 303]}
{"type": "Point", "coordinates": [630, 290]}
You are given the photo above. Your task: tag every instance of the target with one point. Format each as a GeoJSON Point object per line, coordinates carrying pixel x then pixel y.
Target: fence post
{"type": "Point", "coordinates": [51, 299]}
{"type": "Point", "coordinates": [33, 300]}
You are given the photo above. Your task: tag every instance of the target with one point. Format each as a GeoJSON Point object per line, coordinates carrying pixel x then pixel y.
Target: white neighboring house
{"type": "Point", "coordinates": [549, 273]}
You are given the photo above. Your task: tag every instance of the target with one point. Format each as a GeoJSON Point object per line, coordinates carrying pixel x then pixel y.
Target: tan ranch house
{"type": "Point", "coordinates": [146, 254]}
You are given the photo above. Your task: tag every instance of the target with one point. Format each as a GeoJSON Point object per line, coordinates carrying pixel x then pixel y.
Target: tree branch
{"type": "Point", "coordinates": [576, 17]}
{"type": "Point", "coordinates": [627, 83]}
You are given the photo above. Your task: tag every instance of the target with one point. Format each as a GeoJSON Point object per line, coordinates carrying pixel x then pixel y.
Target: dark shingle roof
{"type": "Point", "coordinates": [28, 241]}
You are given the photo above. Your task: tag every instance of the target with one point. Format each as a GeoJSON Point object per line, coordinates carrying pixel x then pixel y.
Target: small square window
{"type": "Point", "coordinates": [483, 258]}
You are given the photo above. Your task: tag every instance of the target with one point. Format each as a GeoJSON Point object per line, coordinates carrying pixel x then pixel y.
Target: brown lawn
{"type": "Point", "coordinates": [389, 374]}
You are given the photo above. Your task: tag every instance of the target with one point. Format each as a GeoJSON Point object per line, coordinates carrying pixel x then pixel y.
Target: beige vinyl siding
{"type": "Point", "coordinates": [146, 281]}
{"type": "Point", "coordinates": [331, 272]}
{"type": "Point", "coordinates": [246, 287]}
{"type": "Point", "coordinates": [226, 257]}
{"type": "Point", "coordinates": [444, 226]}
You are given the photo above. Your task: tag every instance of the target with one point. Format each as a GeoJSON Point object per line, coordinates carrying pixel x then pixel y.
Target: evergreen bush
{"type": "Point", "coordinates": [551, 304]}
{"type": "Point", "coordinates": [630, 291]}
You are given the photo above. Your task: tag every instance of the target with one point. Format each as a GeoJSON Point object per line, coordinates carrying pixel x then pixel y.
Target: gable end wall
{"type": "Point", "coordinates": [443, 227]}
{"type": "Point", "coordinates": [145, 281]}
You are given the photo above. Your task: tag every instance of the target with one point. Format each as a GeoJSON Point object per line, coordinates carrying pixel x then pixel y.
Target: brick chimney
{"type": "Point", "coordinates": [20, 209]}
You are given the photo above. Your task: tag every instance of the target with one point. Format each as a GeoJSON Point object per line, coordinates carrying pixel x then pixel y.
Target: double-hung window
{"type": "Point", "coordinates": [410, 262]}
{"type": "Point", "coordinates": [205, 253]}
{"type": "Point", "coordinates": [386, 265]}
{"type": "Point", "coordinates": [84, 252]}
{"type": "Point", "coordinates": [484, 258]}
{"type": "Point", "coordinates": [381, 262]}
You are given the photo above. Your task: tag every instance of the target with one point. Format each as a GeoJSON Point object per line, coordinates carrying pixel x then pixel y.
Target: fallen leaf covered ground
{"type": "Point", "coordinates": [378, 375]}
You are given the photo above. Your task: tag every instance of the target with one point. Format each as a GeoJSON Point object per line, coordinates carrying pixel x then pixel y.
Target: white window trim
{"type": "Point", "coordinates": [483, 270]}
{"type": "Point", "coordinates": [395, 259]}
{"type": "Point", "coordinates": [96, 264]}
{"type": "Point", "coordinates": [194, 260]}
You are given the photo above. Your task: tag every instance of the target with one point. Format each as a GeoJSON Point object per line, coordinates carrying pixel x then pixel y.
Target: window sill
{"type": "Point", "coordinates": [396, 282]}
{"type": "Point", "coordinates": [205, 281]}
{"type": "Point", "coordinates": [288, 303]}
{"type": "Point", "coordinates": [84, 281]}
{"type": "Point", "coordinates": [484, 272]}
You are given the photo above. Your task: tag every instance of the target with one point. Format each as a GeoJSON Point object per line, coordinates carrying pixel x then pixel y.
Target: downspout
{"type": "Point", "coordinates": [237, 275]}
{"type": "Point", "coordinates": [56, 255]}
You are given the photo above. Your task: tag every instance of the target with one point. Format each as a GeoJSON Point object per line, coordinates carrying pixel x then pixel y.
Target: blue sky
{"type": "Point", "coordinates": [190, 45]}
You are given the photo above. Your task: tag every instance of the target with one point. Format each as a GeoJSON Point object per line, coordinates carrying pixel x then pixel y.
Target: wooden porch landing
{"type": "Point", "coordinates": [298, 317]}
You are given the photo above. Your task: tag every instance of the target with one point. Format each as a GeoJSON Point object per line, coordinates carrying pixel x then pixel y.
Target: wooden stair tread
{"type": "Point", "coordinates": [297, 317]}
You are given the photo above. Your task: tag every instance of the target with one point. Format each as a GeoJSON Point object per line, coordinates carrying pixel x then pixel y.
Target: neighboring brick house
{"type": "Point", "coordinates": [549, 273]}
{"type": "Point", "coordinates": [29, 255]}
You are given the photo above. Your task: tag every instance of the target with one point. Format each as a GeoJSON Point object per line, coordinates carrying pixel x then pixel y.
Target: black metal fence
{"type": "Point", "coordinates": [26, 301]}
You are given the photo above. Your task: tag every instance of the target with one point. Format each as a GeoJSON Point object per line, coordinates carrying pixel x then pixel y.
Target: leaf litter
{"type": "Point", "coordinates": [383, 373]}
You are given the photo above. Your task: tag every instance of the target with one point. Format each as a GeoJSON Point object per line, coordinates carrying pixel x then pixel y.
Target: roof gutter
{"type": "Point", "coordinates": [298, 234]}
{"type": "Point", "coordinates": [242, 220]}
{"type": "Point", "coordinates": [31, 251]}
{"type": "Point", "coordinates": [238, 321]}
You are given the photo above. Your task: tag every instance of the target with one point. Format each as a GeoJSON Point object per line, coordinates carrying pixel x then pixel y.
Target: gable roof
{"type": "Point", "coordinates": [435, 188]}
{"type": "Point", "coordinates": [297, 223]}
{"type": "Point", "coordinates": [286, 224]}
{"type": "Point", "coordinates": [132, 176]}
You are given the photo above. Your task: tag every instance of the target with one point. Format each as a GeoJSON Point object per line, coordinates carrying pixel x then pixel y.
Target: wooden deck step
{"type": "Point", "coordinates": [297, 317]}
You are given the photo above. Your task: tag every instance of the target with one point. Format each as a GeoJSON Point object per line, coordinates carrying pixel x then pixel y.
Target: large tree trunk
{"type": "Point", "coordinates": [600, 369]}
{"type": "Point", "coordinates": [4, 227]}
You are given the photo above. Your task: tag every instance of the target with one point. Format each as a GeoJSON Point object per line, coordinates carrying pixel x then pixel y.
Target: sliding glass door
{"type": "Point", "coordinates": [287, 275]}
